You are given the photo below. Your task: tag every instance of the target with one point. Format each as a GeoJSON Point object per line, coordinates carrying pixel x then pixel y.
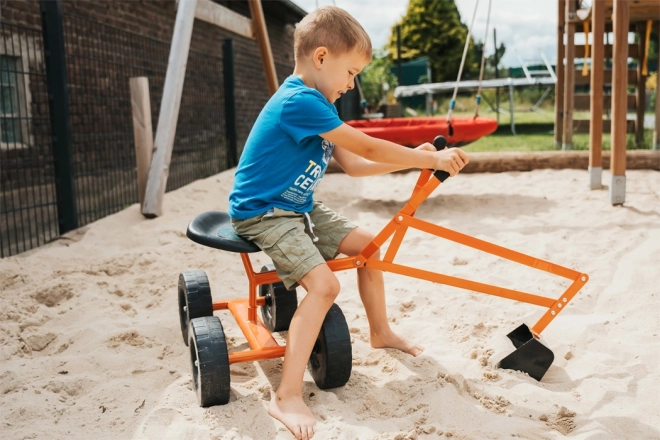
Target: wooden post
{"type": "Point", "coordinates": [641, 86]}
{"type": "Point", "coordinates": [619, 103]}
{"type": "Point", "coordinates": [559, 85]}
{"type": "Point", "coordinates": [597, 71]}
{"type": "Point", "coordinates": [656, 132]}
{"type": "Point", "coordinates": [511, 112]}
{"type": "Point", "coordinates": [260, 30]}
{"type": "Point", "coordinates": [142, 130]}
{"type": "Point", "coordinates": [169, 109]}
{"type": "Point", "coordinates": [569, 76]}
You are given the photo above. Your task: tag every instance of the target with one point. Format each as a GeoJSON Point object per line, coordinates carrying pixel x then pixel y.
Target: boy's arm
{"type": "Point", "coordinates": [384, 152]}
{"type": "Point", "coordinates": [357, 166]}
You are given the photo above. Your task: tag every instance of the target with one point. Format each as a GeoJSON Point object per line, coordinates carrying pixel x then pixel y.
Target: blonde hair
{"type": "Point", "coordinates": [333, 28]}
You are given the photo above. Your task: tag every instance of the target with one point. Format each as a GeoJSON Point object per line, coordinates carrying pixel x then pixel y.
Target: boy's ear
{"type": "Point", "coordinates": [319, 55]}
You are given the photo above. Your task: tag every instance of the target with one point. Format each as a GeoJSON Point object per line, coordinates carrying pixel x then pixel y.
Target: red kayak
{"type": "Point", "coordinates": [411, 132]}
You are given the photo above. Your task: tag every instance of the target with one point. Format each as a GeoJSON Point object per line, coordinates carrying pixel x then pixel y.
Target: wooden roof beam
{"type": "Point", "coordinates": [225, 18]}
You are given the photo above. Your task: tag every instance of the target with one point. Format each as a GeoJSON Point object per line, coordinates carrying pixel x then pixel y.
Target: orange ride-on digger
{"type": "Point", "coordinates": [331, 360]}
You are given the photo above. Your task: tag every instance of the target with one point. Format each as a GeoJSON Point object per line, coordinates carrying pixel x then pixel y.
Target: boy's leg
{"type": "Point", "coordinates": [281, 234]}
{"type": "Point", "coordinates": [288, 406]}
{"type": "Point", "coordinates": [372, 292]}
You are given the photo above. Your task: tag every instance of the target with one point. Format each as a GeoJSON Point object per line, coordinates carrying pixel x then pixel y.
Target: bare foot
{"type": "Point", "coordinates": [295, 415]}
{"type": "Point", "coordinates": [392, 340]}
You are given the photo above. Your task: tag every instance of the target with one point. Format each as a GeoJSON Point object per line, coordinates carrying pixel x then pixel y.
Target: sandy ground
{"type": "Point", "coordinates": [90, 345]}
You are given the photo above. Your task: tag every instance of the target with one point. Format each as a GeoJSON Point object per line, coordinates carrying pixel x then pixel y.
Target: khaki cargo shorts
{"type": "Point", "coordinates": [287, 239]}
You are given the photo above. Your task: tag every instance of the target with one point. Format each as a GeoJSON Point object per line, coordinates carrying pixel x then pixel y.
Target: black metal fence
{"type": "Point", "coordinates": [100, 59]}
{"type": "Point", "coordinates": [28, 205]}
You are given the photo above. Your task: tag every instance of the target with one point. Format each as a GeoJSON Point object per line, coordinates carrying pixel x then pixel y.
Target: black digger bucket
{"type": "Point", "coordinates": [530, 356]}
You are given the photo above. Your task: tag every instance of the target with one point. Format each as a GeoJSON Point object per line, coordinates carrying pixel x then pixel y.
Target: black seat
{"type": "Point", "coordinates": [214, 229]}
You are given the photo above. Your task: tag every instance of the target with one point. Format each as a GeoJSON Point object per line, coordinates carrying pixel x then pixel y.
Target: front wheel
{"type": "Point", "coordinates": [331, 361]}
{"type": "Point", "coordinates": [209, 359]}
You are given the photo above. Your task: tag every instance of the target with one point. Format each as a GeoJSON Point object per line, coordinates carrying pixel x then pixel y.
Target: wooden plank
{"type": "Point", "coordinates": [225, 18]}
{"type": "Point", "coordinates": [588, 125]}
{"type": "Point", "coordinates": [581, 80]}
{"type": "Point", "coordinates": [559, 86]}
{"type": "Point", "coordinates": [656, 131]}
{"type": "Point", "coordinates": [169, 109]}
{"type": "Point", "coordinates": [619, 90]}
{"type": "Point", "coordinates": [641, 88]}
{"type": "Point", "coordinates": [569, 77]}
{"type": "Point", "coordinates": [261, 33]}
{"type": "Point", "coordinates": [142, 130]}
{"type": "Point", "coordinates": [597, 78]}
{"type": "Point", "coordinates": [633, 51]}
{"type": "Point", "coordinates": [582, 101]}
{"type": "Point", "coordinates": [507, 161]}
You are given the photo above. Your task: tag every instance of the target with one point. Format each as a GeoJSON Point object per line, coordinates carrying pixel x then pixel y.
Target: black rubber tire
{"type": "Point", "coordinates": [280, 305]}
{"type": "Point", "coordinates": [331, 361]}
{"type": "Point", "coordinates": [194, 298]}
{"type": "Point", "coordinates": [210, 361]}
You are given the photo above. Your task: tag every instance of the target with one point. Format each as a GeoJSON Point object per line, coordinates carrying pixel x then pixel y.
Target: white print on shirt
{"type": "Point", "coordinates": [307, 182]}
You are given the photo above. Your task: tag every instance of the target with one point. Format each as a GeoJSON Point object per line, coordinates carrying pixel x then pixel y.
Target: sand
{"type": "Point", "coordinates": [90, 345]}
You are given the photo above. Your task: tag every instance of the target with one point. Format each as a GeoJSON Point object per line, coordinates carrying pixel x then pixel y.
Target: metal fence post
{"type": "Point", "coordinates": [58, 100]}
{"type": "Point", "coordinates": [230, 101]}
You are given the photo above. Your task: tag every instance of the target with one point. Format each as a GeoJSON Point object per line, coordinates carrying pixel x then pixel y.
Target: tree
{"type": "Point", "coordinates": [433, 28]}
{"type": "Point", "coordinates": [376, 79]}
{"type": "Point", "coordinates": [490, 60]}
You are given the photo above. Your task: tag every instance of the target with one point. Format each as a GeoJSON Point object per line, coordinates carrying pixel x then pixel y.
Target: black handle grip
{"type": "Point", "coordinates": [439, 143]}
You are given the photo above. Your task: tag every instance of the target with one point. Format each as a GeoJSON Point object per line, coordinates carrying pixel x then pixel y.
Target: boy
{"type": "Point", "coordinates": [285, 157]}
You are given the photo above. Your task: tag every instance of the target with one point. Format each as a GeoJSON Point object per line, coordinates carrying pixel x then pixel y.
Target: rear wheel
{"type": "Point", "coordinates": [209, 361]}
{"type": "Point", "coordinates": [331, 361]}
{"type": "Point", "coordinates": [280, 305]}
{"type": "Point", "coordinates": [194, 298]}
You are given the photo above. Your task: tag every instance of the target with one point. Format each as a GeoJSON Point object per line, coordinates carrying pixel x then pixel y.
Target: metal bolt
{"type": "Point", "coordinates": [584, 278]}
{"type": "Point", "coordinates": [559, 305]}
{"type": "Point", "coordinates": [358, 262]}
{"type": "Point", "coordinates": [553, 313]}
{"type": "Point", "coordinates": [400, 218]}
{"type": "Point", "coordinates": [565, 300]}
{"type": "Point", "coordinates": [618, 181]}
{"type": "Point", "coordinates": [197, 363]}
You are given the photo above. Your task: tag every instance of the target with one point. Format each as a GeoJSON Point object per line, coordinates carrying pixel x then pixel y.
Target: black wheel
{"type": "Point", "coordinates": [209, 360]}
{"type": "Point", "coordinates": [280, 305]}
{"type": "Point", "coordinates": [194, 298]}
{"type": "Point", "coordinates": [331, 360]}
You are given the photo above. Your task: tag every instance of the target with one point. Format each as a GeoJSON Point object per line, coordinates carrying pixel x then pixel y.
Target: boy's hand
{"type": "Point", "coordinates": [426, 147]}
{"type": "Point", "coordinates": [451, 160]}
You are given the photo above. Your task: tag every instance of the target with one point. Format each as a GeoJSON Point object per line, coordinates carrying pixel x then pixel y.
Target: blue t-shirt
{"type": "Point", "coordinates": [284, 157]}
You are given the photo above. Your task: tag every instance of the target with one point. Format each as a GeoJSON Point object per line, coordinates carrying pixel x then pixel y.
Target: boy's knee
{"type": "Point", "coordinates": [323, 283]}
{"type": "Point", "coordinates": [330, 289]}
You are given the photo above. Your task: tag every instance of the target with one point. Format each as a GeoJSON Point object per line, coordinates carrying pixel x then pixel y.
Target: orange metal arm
{"type": "Point", "coordinates": [460, 282]}
{"type": "Point", "coordinates": [488, 247]}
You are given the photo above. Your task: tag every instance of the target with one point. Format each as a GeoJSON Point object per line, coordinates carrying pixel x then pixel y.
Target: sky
{"type": "Point", "coordinates": [526, 27]}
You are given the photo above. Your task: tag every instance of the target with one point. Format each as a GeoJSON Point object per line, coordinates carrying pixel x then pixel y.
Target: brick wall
{"type": "Point", "coordinates": [155, 19]}
{"type": "Point", "coordinates": [106, 43]}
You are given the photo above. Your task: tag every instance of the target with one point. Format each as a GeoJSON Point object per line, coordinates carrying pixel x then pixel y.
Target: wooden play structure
{"type": "Point", "coordinates": [153, 168]}
{"type": "Point", "coordinates": [606, 24]}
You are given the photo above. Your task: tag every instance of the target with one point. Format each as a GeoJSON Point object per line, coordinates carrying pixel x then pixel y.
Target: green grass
{"type": "Point", "coordinates": [535, 132]}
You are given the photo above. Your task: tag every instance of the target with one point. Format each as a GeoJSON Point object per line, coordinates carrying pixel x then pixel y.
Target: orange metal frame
{"type": "Point", "coordinates": [261, 341]}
